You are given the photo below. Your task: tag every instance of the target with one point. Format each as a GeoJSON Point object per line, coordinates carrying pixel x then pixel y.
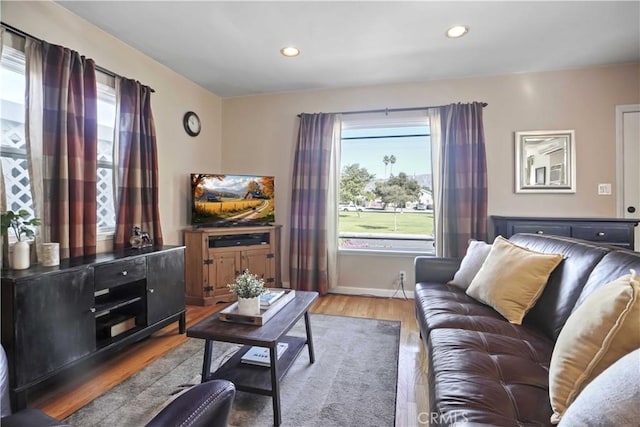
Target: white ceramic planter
{"type": "Point", "coordinates": [249, 306]}
{"type": "Point", "coordinates": [20, 256]}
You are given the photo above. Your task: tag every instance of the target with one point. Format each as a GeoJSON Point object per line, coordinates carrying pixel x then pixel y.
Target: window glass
{"type": "Point", "coordinates": [385, 199]}
{"type": "Point", "coordinates": [13, 146]}
{"type": "Point", "coordinates": [106, 123]}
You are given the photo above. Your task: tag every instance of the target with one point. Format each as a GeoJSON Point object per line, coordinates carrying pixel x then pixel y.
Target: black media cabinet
{"type": "Point", "coordinates": [58, 318]}
{"type": "Point", "coordinates": [609, 231]}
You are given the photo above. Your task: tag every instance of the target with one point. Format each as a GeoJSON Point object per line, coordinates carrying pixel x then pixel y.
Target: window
{"type": "Point", "coordinates": [13, 153]}
{"type": "Point", "coordinates": [386, 202]}
{"type": "Point", "coordinates": [106, 122]}
{"type": "Point", "coordinates": [13, 146]}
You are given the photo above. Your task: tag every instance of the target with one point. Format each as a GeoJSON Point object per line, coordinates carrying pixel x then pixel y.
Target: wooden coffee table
{"type": "Point", "coordinates": [251, 378]}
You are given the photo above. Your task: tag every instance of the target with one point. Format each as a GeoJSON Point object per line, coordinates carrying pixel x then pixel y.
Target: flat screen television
{"type": "Point", "coordinates": [232, 200]}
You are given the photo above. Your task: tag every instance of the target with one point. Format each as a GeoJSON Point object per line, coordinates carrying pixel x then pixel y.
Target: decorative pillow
{"type": "Point", "coordinates": [477, 252]}
{"type": "Point", "coordinates": [512, 279]}
{"type": "Point", "coordinates": [611, 399]}
{"type": "Point", "coordinates": [600, 331]}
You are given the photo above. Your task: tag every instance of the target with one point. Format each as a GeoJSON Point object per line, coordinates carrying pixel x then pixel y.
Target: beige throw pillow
{"type": "Point", "coordinates": [605, 327]}
{"type": "Point", "coordinates": [477, 252]}
{"type": "Point", "coordinates": [512, 279]}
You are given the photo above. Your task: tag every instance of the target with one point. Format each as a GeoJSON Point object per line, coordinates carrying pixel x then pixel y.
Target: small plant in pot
{"type": "Point", "coordinates": [248, 288]}
{"type": "Point", "coordinates": [20, 225]}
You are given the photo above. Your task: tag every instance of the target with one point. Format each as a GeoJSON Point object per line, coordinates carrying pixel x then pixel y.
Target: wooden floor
{"type": "Point", "coordinates": [59, 401]}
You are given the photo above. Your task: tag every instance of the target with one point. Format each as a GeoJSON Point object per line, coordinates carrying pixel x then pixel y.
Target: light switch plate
{"type": "Point", "coordinates": [604, 189]}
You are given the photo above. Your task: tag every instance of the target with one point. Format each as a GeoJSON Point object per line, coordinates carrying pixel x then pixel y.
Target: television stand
{"type": "Point", "coordinates": [215, 256]}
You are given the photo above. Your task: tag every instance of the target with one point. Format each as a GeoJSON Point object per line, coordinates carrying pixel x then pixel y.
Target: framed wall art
{"type": "Point", "coordinates": [545, 161]}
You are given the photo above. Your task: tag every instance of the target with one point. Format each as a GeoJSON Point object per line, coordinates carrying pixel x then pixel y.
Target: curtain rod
{"type": "Point", "coordinates": [21, 33]}
{"type": "Point", "coordinates": [392, 110]}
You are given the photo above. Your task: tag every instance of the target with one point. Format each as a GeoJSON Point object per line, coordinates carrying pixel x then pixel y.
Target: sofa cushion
{"type": "Point", "coordinates": [512, 278]}
{"type": "Point", "coordinates": [445, 306]}
{"type": "Point", "coordinates": [481, 378]}
{"type": "Point", "coordinates": [598, 332]}
{"type": "Point", "coordinates": [611, 399]}
{"type": "Point", "coordinates": [477, 252]}
{"type": "Point", "coordinates": [565, 284]}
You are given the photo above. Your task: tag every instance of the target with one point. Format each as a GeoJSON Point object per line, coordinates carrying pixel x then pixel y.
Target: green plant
{"type": "Point", "coordinates": [19, 223]}
{"type": "Point", "coordinates": [247, 285]}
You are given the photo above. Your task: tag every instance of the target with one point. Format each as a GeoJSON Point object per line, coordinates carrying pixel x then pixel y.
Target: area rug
{"type": "Point", "coordinates": [352, 382]}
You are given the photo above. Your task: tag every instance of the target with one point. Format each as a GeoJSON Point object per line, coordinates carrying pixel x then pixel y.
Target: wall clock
{"type": "Point", "coordinates": [191, 123]}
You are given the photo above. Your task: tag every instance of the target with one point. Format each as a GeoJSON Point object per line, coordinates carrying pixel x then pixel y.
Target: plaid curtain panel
{"type": "Point", "coordinates": [70, 150]}
{"type": "Point", "coordinates": [137, 154]}
{"type": "Point", "coordinates": [309, 259]}
{"type": "Point", "coordinates": [463, 177]}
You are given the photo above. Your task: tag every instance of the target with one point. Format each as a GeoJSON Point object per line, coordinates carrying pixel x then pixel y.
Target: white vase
{"type": "Point", "coordinates": [249, 306]}
{"type": "Point", "coordinates": [20, 256]}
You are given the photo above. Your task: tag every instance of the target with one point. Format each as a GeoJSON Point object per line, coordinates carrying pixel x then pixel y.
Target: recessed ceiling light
{"type": "Point", "coordinates": [457, 31]}
{"type": "Point", "coordinates": [290, 51]}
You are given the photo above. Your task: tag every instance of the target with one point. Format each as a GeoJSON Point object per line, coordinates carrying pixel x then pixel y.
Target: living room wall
{"type": "Point", "coordinates": [259, 136]}
{"type": "Point", "coordinates": [178, 153]}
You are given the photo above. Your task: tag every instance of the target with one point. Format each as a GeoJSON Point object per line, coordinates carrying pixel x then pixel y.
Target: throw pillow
{"type": "Point", "coordinates": [512, 279]}
{"type": "Point", "coordinates": [600, 331]}
{"type": "Point", "coordinates": [611, 399]}
{"type": "Point", "coordinates": [477, 252]}
{"type": "Point", "coordinates": [5, 406]}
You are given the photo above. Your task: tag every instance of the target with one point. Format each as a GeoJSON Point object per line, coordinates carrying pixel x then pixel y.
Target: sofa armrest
{"type": "Point", "coordinates": [204, 405]}
{"type": "Point", "coordinates": [435, 270]}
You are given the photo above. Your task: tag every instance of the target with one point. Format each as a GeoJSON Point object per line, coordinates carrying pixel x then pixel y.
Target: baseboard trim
{"type": "Point", "coordinates": [369, 292]}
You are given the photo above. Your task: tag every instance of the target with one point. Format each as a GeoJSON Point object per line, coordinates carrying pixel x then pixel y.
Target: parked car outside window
{"type": "Point", "coordinates": [350, 208]}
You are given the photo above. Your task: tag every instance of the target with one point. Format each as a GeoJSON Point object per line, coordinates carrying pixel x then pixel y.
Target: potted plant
{"type": "Point", "coordinates": [248, 288]}
{"type": "Point", "coordinates": [20, 225]}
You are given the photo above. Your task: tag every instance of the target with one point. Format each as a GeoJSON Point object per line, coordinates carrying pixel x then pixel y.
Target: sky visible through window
{"type": "Point", "coordinates": [412, 155]}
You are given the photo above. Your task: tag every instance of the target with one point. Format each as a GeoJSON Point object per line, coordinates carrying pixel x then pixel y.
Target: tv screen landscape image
{"type": "Point", "coordinates": [228, 200]}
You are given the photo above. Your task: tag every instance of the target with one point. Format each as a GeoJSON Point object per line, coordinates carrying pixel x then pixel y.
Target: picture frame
{"type": "Point", "coordinates": [541, 175]}
{"type": "Point", "coordinates": [556, 173]}
{"type": "Point", "coordinates": [545, 161]}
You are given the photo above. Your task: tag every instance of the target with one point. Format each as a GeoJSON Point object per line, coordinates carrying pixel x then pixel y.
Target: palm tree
{"type": "Point", "coordinates": [386, 161]}
{"type": "Point", "coordinates": [392, 160]}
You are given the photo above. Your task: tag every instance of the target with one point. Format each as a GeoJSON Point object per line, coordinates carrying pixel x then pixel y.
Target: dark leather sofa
{"type": "Point", "coordinates": [484, 370]}
{"type": "Point", "coordinates": [204, 405]}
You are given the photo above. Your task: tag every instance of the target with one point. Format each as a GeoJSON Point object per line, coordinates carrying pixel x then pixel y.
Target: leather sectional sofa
{"type": "Point", "coordinates": [484, 370]}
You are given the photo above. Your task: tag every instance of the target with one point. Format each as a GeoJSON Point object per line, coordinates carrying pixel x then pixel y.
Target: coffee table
{"type": "Point", "coordinates": [251, 378]}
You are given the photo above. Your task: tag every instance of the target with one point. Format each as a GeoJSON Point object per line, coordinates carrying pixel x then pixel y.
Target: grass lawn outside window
{"type": "Point", "coordinates": [371, 230]}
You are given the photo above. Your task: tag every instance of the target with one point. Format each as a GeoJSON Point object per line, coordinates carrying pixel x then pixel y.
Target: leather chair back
{"type": "Point", "coordinates": [204, 405]}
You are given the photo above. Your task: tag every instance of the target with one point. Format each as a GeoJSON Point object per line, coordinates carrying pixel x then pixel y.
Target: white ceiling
{"type": "Point", "coordinates": [232, 47]}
